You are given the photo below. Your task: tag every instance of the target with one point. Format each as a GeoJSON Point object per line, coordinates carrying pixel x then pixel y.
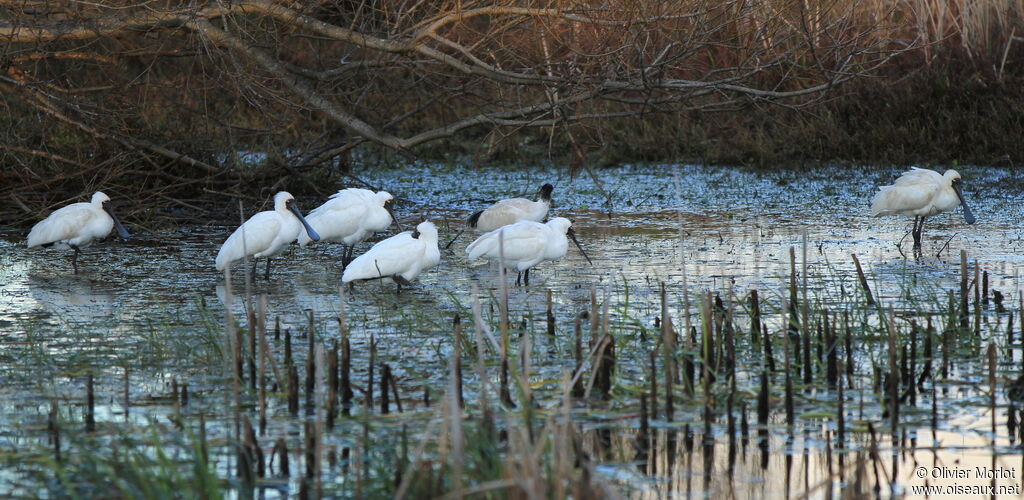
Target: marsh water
{"type": "Point", "coordinates": [147, 316]}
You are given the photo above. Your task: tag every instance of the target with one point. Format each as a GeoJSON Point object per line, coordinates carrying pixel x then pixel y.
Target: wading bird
{"type": "Point", "coordinates": [526, 244]}
{"type": "Point", "coordinates": [509, 211]}
{"type": "Point", "coordinates": [921, 193]}
{"type": "Point", "coordinates": [349, 217]}
{"type": "Point", "coordinates": [265, 234]}
{"type": "Point", "coordinates": [76, 226]}
{"type": "Point", "coordinates": [398, 259]}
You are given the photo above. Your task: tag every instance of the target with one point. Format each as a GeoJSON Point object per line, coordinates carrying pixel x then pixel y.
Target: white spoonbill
{"type": "Point", "coordinates": [399, 259]}
{"type": "Point", "coordinates": [265, 234]}
{"type": "Point", "coordinates": [921, 193]}
{"type": "Point", "coordinates": [509, 211]}
{"type": "Point", "coordinates": [351, 216]}
{"type": "Point", "coordinates": [526, 244]}
{"type": "Point", "coordinates": [76, 226]}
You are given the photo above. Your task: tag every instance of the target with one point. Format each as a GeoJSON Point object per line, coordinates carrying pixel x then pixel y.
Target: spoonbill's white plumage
{"type": "Point", "coordinates": [525, 244]}
{"type": "Point", "coordinates": [350, 216]}
{"type": "Point", "coordinates": [265, 234]}
{"type": "Point", "coordinates": [509, 211]}
{"type": "Point", "coordinates": [399, 259]}
{"type": "Point", "coordinates": [921, 193]}
{"type": "Point", "coordinates": [76, 226]}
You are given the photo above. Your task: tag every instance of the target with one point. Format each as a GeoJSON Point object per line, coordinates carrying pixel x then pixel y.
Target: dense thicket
{"type": "Point", "coordinates": [176, 103]}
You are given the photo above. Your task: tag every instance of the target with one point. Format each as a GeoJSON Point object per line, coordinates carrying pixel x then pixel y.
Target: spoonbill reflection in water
{"type": "Point", "coordinates": [265, 234]}
{"type": "Point", "coordinates": [399, 259]}
{"type": "Point", "coordinates": [921, 193]}
{"type": "Point", "coordinates": [525, 244]}
{"type": "Point", "coordinates": [76, 226]}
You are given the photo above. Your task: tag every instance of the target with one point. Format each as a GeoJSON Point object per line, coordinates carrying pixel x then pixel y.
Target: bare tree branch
{"type": "Point", "coordinates": [193, 86]}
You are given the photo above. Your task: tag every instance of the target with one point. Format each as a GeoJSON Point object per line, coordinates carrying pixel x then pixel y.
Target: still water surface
{"type": "Point", "coordinates": [153, 308]}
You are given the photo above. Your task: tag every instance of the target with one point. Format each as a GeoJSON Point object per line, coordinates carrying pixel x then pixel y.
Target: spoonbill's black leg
{"type": "Point", "coordinates": [519, 278]}
{"type": "Point", "coordinates": [399, 281]}
{"type": "Point", "coordinates": [252, 273]}
{"type": "Point", "coordinates": [526, 277]}
{"type": "Point", "coordinates": [74, 257]}
{"type": "Point", "coordinates": [917, 232]}
{"type": "Point", "coordinates": [266, 274]}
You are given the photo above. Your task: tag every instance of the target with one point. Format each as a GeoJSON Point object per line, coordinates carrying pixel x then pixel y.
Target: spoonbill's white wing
{"type": "Point", "coordinates": [510, 211]}
{"type": "Point", "coordinates": [63, 224]}
{"type": "Point", "coordinates": [260, 232]}
{"type": "Point", "coordinates": [344, 199]}
{"type": "Point", "coordinates": [918, 176]}
{"type": "Point", "coordinates": [904, 199]}
{"type": "Point", "coordinates": [398, 254]}
{"type": "Point", "coordinates": [431, 256]}
{"type": "Point", "coordinates": [364, 194]}
{"type": "Point", "coordinates": [522, 242]}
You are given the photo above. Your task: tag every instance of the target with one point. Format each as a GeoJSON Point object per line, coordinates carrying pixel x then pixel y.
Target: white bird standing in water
{"type": "Point", "coordinates": [265, 234]}
{"type": "Point", "coordinates": [76, 226]}
{"type": "Point", "coordinates": [526, 244]}
{"type": "Point", "coordinates": [399, 259]}
{"type": "Point", "coordinates": [509, 211]}
{"type": "Point", "coordinates": [351, 216]}
{"type": "Point", "coordinates": [921, 193]}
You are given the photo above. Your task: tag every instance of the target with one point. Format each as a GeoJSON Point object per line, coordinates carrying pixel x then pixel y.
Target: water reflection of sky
{"type": "Point", "coordinates": [140, 302]}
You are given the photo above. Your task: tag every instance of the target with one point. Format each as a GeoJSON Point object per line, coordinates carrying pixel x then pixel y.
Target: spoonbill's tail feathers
{"type": "Point", "coordinates": [473, 220]}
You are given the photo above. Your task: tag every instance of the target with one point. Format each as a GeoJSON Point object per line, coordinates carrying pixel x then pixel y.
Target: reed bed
{"type": "Point", "coordinates": [818, 383]}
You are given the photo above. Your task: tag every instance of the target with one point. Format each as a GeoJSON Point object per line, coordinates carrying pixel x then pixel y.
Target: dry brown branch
{"type": "Point", "coordinates": [214, 80]}
{"type": "Point", "coordinates": [44, 104]}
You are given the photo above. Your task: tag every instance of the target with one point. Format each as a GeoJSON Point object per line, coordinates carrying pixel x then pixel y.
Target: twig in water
{"type": "Point", "coordinates": [945, 246]}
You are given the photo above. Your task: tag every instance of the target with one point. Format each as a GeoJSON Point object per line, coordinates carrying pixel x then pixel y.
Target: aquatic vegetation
{"type": "Point", "coordinates": [747, 358]}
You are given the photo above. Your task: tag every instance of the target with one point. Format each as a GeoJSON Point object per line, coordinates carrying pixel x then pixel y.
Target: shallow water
{"type": "Point", "coordinates": [152, 309]}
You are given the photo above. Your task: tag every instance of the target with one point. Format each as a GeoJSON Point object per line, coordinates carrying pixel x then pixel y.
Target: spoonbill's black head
{"type": "Point", "coordinates": [389, 205]}
{"type": "Point", "coordinates": [545, 192]}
